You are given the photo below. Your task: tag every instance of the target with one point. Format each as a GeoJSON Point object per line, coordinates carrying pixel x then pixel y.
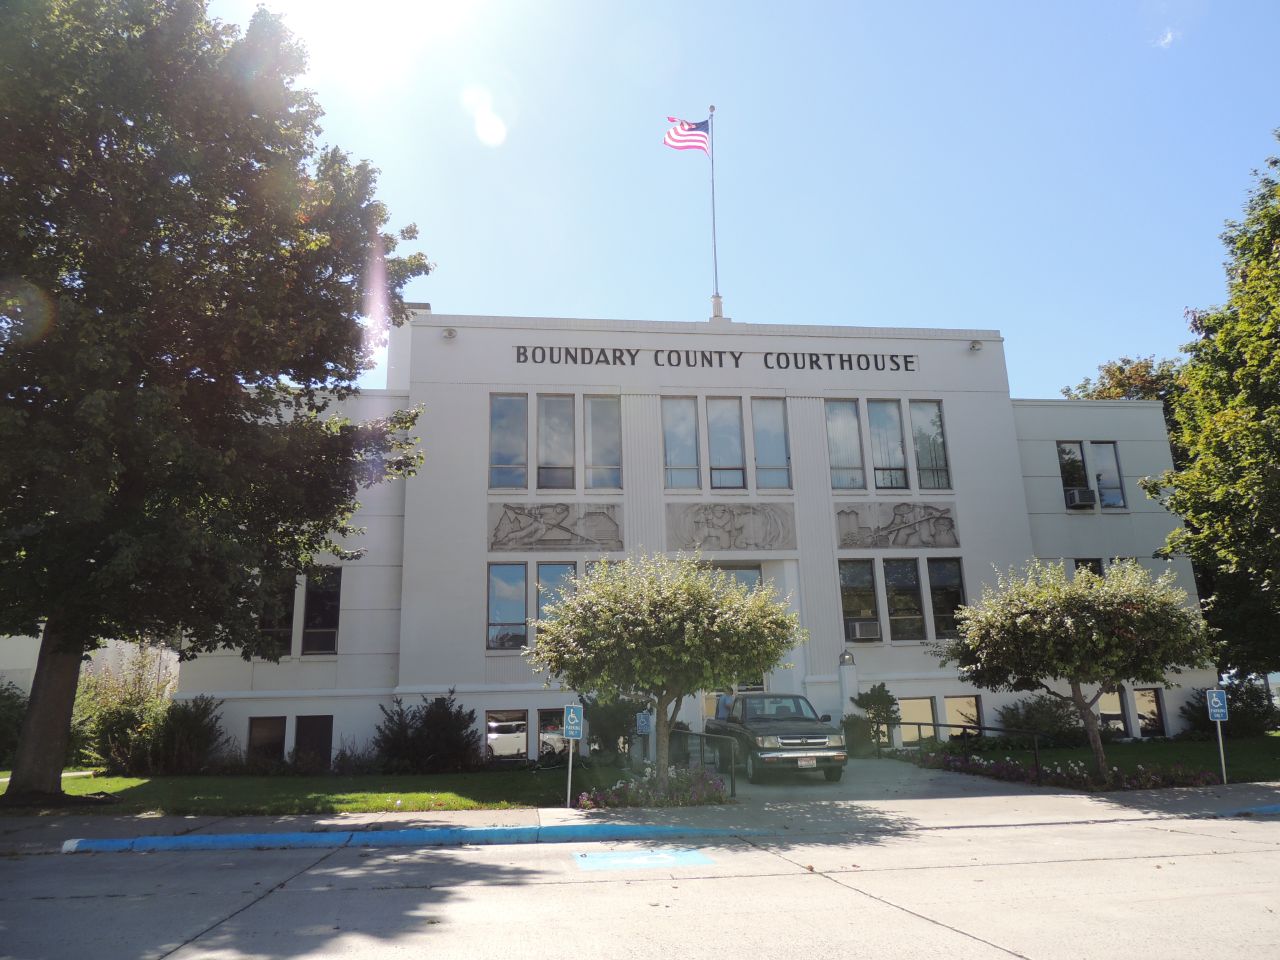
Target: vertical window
{"type": "Point", "coordinates": [323, 606]}
{"type": "Point", "coordinates": [555, 442]}
{"type": "Point", "coordinates": [917, 718]}
{"type": "Point", "coordinates": [1150, 715]}
{"type": "Point", "coordinates": [276, 627]}
{"type": "Point", "coordinates": [1092, 564]}
{"type": "Point", "coordinates": [506, 734]}
{"type": "Point", "coordinates": [680, 442]}
{"type": "Point", "coordinates": [508, 441]}
{"type": "Point", "coordinates": [551, 739]}
{"type": "Point", "coordinates": [724, 443]}
{"type": "Point", "coordinates": [313, 743]}
{"type": "Point", "coordinates": [552, 579]}
{"type": "Point", "coordinates": [507, 606]}
{"type": "Point", "coordinates": [1111, 712]}
{"type": "Point", "coordinates": [1071, 466]}
{"type": "Point", "coordinates": [887, 455]}
{"type": "Point", "coordinates": [858, 600]}
{"type": "Point", "coordinates": [902, 592]}
{"type": "Point", "coordinates": [773, 453]}
{"type": "Point", "coordinates": [1106, 473]}
{"type": "Point", "coordinates": [931, 445]}
{"type": "Point", "coordinates": [962, 711]}
{"type": "Point", "coordinates": [266, 739]}
{"type": "Point", "coordinates": [844, 445]}
{"type": "Point", "coordinates": [946, 591]}
{"type": "Point", "coordinates": [603, 417]}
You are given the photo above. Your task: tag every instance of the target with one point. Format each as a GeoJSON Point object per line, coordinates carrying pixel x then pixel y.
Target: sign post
{"type": "Point", "coordinates": [644, 727]}
{"type": "Point", "coordinates": [572, 733]}
{"type": "Point", "coordinates": [1216, 700]}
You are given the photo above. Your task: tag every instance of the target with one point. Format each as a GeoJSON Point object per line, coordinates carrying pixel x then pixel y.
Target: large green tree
{"type": "Point", "coordinates": [184, 272]}
{"type": "Point", "coordinates": [661, 629]}
{"type": "Point", "coordinates": [1042, 630]}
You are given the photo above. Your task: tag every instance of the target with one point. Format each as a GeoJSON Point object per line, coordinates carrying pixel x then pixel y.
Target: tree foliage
{"type": "Point", "coordinates": [182, 274]}
{"type": "Point", "coordinates": [661, 628]}
{"type": "Point", "coordinates": [1043, 630]}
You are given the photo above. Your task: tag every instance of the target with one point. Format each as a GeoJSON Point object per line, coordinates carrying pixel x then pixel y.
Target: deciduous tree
{"type": "Point", "coordinates": [183, 269]}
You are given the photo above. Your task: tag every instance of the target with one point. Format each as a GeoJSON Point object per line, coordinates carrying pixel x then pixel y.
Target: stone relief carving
{"type": "Point", "coordinates": [730, 526]}
{"type": "Point", "coordinates": [555, 526]}
{"type": "Point", "coordinates": [896, 525]}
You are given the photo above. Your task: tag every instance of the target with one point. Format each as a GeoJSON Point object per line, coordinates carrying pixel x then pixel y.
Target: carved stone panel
{"type": "Point", "coordinates": [896, 525]}
{"type": "Point", "coordinates": [555, 526]}
{"type": "Point", "coordinates": [731, 526]}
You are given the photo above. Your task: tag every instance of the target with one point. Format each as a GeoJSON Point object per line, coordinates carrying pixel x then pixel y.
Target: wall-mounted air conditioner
{"type": "Point", "coordinates": [862, 630]}
{"type": "Point", "coordinates": [1081, 498]}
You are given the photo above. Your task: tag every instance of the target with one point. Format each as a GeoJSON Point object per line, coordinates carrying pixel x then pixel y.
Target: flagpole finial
{"type": "Point", "coordinates": [713, 108]}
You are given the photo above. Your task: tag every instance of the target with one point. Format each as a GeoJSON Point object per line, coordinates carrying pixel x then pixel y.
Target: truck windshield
{"type": "Point", "coordinates": [779, 708]}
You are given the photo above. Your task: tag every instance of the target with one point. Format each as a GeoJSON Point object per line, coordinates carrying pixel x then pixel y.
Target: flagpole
{"type": "Point", "coordinates": [716, 304]}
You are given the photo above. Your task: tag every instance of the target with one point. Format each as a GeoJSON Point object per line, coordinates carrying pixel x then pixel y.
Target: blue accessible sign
{"type": "Point", "coordinates": [1217, 701]}
{"type": "Point", "coordinates": [573, 721]}
{"type": "Point", "coordinates": [644, 723]}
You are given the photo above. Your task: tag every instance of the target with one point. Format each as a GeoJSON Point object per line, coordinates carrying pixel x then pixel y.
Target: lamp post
{"type": "Point", "coordinates": [848, 671]}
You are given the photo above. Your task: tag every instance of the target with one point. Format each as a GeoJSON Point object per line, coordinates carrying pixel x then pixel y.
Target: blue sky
{"type": "Point", "coordinates": [1061, 174]}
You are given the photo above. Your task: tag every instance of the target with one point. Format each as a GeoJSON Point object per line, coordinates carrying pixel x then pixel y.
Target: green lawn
{"type": "Point", "coordinates": [237, 795]}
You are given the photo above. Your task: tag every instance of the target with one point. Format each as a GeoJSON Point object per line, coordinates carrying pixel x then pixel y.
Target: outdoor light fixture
{"type": "Point", "coordinates": [448, 333]}
{"type": "Point", "coordinates": [975, 345]}
{"type": "Point", "coordinates": [846, 658]}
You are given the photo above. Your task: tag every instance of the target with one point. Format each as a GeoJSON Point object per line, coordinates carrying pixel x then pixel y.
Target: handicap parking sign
{"type": "Point", "coordinates": [644, 723]}
{"type": "Point", "coordinates": [573, 721]}
{"type": "Point", "coordinates": [1217, 701]}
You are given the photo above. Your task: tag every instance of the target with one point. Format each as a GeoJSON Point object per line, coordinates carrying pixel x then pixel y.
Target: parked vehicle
{"type": "Point", "coordinates": [780, 731]}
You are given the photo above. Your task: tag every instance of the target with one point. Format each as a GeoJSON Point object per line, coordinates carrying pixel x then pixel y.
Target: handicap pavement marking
{"type": "Point", "coordinates": [641, 859]}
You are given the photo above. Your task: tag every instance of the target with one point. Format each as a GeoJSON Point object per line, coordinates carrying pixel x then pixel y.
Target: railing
{"type": "Point", "coordinates": [964, 728]}
{"type": "Point", "coordinates": [702, 753]}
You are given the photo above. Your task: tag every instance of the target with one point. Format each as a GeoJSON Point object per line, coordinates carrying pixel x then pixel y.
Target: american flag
{"type": "Point", "coordinates": [689, 136]}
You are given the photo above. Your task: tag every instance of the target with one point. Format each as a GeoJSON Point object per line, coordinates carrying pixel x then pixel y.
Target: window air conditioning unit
{"type": "Point", "coordinates": [1081, 498]}
{"type": "Point", "coordinates": [862, 630]}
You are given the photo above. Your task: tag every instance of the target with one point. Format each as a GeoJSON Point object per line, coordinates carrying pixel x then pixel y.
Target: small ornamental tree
{"type": "Point", "coordinates": [660, 629]}
{"type": "Point", "coordinates": [1044, 630]}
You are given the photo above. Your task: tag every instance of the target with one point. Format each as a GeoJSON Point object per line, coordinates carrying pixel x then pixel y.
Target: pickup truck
{"type": "Point", "coordinates": [779, 731]}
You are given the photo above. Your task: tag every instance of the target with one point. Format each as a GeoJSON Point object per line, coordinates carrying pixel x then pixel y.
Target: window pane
{"type": "Point", "coordinates": [266, 739]}
{"type": "Point", "coordinates": [887, 454]}
{"type": "Point", "coordinates": [858, 600]}
{"type": "Point", "coordinates": [506, 734]}
{"type": "Point", "coordinates": [508, 441]}
{"type": "Point", "coordinates": [313, 743]}
{"type": "Point", "coordinates": [322, 609]}
{"type": "Point", "coordinates": [1071, 465]}
{"type": "Point", "coordinates": [930, 444]}
{"type": "Point", "coordinates": [773, 456]}
{"type": "Point", "coordinates": [946, 591]}
{"type": "Point", "coordinates": [1092, 564]}
{"type": "Point", "coordinates": [917, 710]}
{"type": "Point", "coordinates": [902, 591]}
{"type": "Point", "coordinates": [555, 443]}
{"type": "Point", "coordinates": [844, 445]}
{"type": "Point", "coordinates": [604, 442]}
{"type": "Point", "coordinates": [680, 442]}
{"type": "Point", "coordinates": [749, 577]}
{"type": "Point", "coordinates": [276, 625]}
{"type": "Point", "coordinates": [1106, 472]}
{"type": "Point", "coordinates": [1150, 717]}
{"type": "Point", "coordinates": [724, 443]}
{"type": "Point", "coordinates": [552, 579]}
{"type": "Point", "coordinates": [507, 606]}
{"type": "Point", "coordinates": [1111, 712]}
{"type": "Point", "coordinates": [962, 710]}
{"type": "Point", "coordinates": [551, 739]}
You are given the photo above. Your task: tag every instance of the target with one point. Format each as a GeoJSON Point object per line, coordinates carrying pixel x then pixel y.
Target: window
{"type": "Point", "coordinates": [680, 443]}
{"type": "Point", "coordinates": [724, 443]}
{"type": "Point", "coordinates": [1106, 474]}
{"type": "Point", "coordinates": [1111, 712]}
{"type": "Point", "coordinates": [1092, 564]}
{"type": "Point", "coordinates": [266, 739]}
{"type": "Point", "coordinates": [887, 455]}
{"type": "Point", "coordinates": [1071, 466]}
{"type": "Point", "coordinates": [931, 444]}
{"type": "Point", "coordinates": [917, 718]}
{"type": "Point", "coordinates": [961, 711]}
{"type": "Point", "coordinates": [507, 606]}
{"type": "Point", "coordinates": [749, 577]}
{"type": "Point", "coordinates": [552, 579]}
{"type": "Point", "coordinates": [506, 734]}
{"type": "Point", "coordinates": [902, 592]}
{"type": "Point", "coordinates": [946, 591]}
{"type": "Point", "coordinates": [844, 445]}
{"type": "Point", "coordinates": [277, 629]}
{"type": "Point", "coordinates": [1150, 715]}
{"type": "Point", "coordinates": [321, 610]}
{"type": "Point", "coordinates": [858, 600]}
{"type": "Point", "coordinates": [551, 739]}
{"type": "Point", "coordinates": [508, 441]}
{"type": "Point", "coordinates": [555, 442]}
{"type": "Point", "coordinates": [313, 743]}
{"type": "Point", "coordinates": [604, 442]}
{"type": "Point", "coordinates": [773, 453]}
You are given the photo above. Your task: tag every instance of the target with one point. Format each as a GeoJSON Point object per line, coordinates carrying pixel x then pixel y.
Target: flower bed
{"type": "Point", "coordinates": [685, 788]}
{"type": "Point", "coordinates": [1074, 773]}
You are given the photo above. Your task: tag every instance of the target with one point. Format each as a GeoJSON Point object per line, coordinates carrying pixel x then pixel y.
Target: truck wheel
{"type": "Point", "coordinates": [754, 773]}
{"type": "Point", "coordinates": [833, 774]}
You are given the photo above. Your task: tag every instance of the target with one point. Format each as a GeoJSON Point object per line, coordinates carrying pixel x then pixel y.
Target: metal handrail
{"type": "Point", "coordinates": [702, 755]}
{"type": "Point", "coordinates": [921, 724]}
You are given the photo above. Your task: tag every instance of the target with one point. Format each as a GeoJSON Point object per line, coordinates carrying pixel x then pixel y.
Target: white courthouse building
{"type": "Point", "coordinates": [877, 476]}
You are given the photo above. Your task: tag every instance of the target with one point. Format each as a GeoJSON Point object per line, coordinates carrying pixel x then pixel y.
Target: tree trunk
{"type": "Point", "coordinates": [46, 728]}
{"type": "Point", "coordinates": [1090, 721]}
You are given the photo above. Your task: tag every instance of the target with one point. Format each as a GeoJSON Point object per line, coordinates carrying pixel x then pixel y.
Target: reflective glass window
{"type": "Point", "coordinates": [1106, 474]}
{"type": "Point", "coordinates": [552, 580]}
{"type": "Point", "coordinates": [917, 718]}
{"type": "Point", "coordinates": [555, 443]}
{"type": "Point", "coordinates": [508, 441]}
{"type": "Point", "coordinates": [680, 442]}
{"type": "Point", "coordinates": [322, 610]}
{"type": "Point", "coordinates": [902, 592]}
{"type": "Point", "coordinates": [946, 593]}
{"type": "Point", "coordinates": [773, 453]}
{"type": "Point", "coordinates": [604, 442]}
{"type": "Point", "coordinates": [858, 600]}
{"type": "Point", "coordinates": [844, 445]}
{"type": "Point", "coordinates": [887, 455]}
{"type": "Point", "coordinates": [724, 443]}
{"type": "Point", "coordinates": [508, 607]}
{"type": "Point", "coordinates": [930, 444]}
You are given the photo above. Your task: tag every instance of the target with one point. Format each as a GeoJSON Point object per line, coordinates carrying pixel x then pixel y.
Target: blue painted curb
{"type": "Point", "coordinates": [418, 837]}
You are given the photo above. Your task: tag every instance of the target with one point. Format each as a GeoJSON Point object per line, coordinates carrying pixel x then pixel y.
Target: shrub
{"type": "Point", "coordinates": [881, 709]}
{"type": "Point", "coordinates": [858, 736]}
{"type": "Point", "coordinates": [685, 788]}
{"type": "Point", "coordinates": [355, 760]}
{"type": "Point", "coordinates": [435, 736]}
{"type": "Point", "coordinates": [118, 711]}
{"type": "Point", "coordinates": [611, 723]}
{"type": "Point", "coordinates": [1055, 720]}
{"type": "Point", "coordinates": [13, 704]}
{"type": "Point", "coordinates": [1074, 773]}
{"type": "Point", "coordinates": [1250, 711]}
{"type": "Point", "coordinates": [190, 736]}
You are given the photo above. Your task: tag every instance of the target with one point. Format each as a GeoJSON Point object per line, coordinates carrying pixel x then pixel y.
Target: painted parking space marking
{"type": "Point", "coordinates": [641, 859]}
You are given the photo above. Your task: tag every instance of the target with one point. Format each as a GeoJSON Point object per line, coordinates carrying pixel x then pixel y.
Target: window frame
{"type": "Point", "coordinates": [935, 616]}
{"type": "Point", "coordinates": [588, 447]}
{"type": "Point", "coordinates": [490, 624]}
{"type": "Point", "coordinates": [845, 618]}
{"type": "Point", "coordinates": [256, 753]}
{"type": "Point", "coordinates": [740, 468]}
{"type": "Point", "coordinates": [1096, 476]}
{"type": "Point", "coordinates": [914, 562]}
{"type": "Point", "coordinates": [888, 403]}
{"type": "Point", "coordinates": [861, 468]}
{"type": "Point", "coordinates": [309, 647]}
{"type": "Point", "coordinates": [921, 469]}
{"type": "Point", "coordinates": [771, 468]}
{"type": "Point", "coordinates": [572, 436]}
{"type": "Point", "coordinates": [515, 757]}
{"type": "Point", "coordinates": [682, 469]}
{"type": "Point", "coordinates": [524, 467]}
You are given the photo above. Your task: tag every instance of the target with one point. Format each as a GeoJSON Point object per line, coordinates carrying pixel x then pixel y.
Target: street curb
{"type": "Point", "coordinates": [421, 837]}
